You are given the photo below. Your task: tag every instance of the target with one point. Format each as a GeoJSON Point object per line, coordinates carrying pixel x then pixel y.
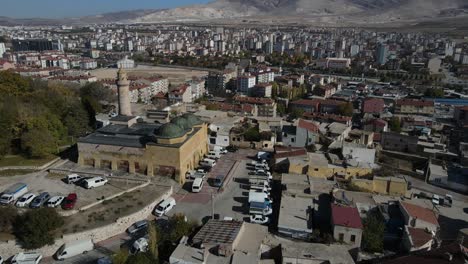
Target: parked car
{"type": "Point", "coordinates": [232, 148]}
{"type": "Point", "coordinates": [218, 181]}
{"type": "Point", "coordinates": [39, 200]}
{"type": "Point", "coordinates": [70, 201]}
{"type": "Point", "coordinates": [25, 200]}
{"type": "Point", "coordinates": [73, 178]}
{"type": "Point", "coordinates": [259, 219]}
{"type": "Point", "coordinates": [140, 245]}
{"type": "Point", "coordinates": [1, 260]}
{"type": "Point", "coordinates": [164, 206]}
{"type": "Point", "coordinates": [75, 248]}
{"type": "Point", "coordinates": [137, 227]}
{"type": "Point", "coordinates": [449, 200]}
{"type": "Point", "coordinates": [94, 182]}
{"type": "Point", "coordinates": [26, 258]}
{"type": "Point", "coordinates": [55, 201]}
{"type": "Point", "coordinates": [436, 199]}
{"type": "Point", "coordinates": [220, 149]}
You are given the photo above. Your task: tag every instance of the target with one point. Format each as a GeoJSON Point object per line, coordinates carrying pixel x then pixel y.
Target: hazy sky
{"type": "Point", "coordinates": [67, 8]}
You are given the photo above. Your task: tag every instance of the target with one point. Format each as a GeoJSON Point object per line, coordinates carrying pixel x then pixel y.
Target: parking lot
{"type": "Point", "coordinates": [54, 184]}
{"type": "Point", "coordinates": [231, 200]}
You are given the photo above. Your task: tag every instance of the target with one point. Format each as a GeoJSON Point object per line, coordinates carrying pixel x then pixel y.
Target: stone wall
{"type": "Point", "coordinates": [11, 248]}
{"type": "Point", "coordinates": [30, 167]}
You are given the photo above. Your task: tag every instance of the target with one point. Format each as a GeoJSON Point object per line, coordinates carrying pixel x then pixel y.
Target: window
{"type": "Point", "coordinates": [353, 238]}
{"type": "Point", "coordinates": [340, 236]}
{"type": "Point", "coordinates": [292, 140]}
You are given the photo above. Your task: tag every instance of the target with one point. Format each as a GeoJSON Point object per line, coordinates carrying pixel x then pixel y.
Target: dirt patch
{"type": "Point", "coordinates": [9, 173]}
{"type": "Point", "coordinates": [17, 160]}
{"type": "Point", "coordinates": [109, 211]}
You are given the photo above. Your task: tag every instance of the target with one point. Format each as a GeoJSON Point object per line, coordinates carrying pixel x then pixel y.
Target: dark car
{"type": "Point", "coordinates": [39, 200]}
{"type": "Point", "coordinates": [70, 201]}
{"type": "Point", "coordinates": [137, 227]}
{"type": "Point", "coordinates": [218, 181]}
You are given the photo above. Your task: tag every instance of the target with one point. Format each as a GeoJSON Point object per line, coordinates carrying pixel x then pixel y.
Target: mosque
{"type": "Point", "coordinates": [132, 146]}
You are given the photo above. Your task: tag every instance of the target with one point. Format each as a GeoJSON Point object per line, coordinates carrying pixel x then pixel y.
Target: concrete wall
{"type": "Point", "coordinates": [347, 233]}
{"type": "Point", "coordinates": [325, 172]}
{"type": "Point", "coordinates": [98, 234]}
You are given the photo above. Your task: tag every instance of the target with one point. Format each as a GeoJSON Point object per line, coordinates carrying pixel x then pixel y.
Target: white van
{"type": "Point", "coordinates": [164, 206]}
{"type": "Point", "coordinates": [94, 182]}
{"type": "Point", "coordinates": [219, 149]}
{"type": "Point", "coordinates": [74, 248]}
{"type": "Point", "coordinates": [208, 163]}
{"type": "Point", "coordinates": [72, 178]}
{"type": "Point", "coordinates": [213, 155]}
{"type": "Point", "coordinates": [197, 185]}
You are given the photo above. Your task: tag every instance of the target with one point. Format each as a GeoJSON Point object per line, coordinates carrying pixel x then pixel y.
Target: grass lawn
{"type": "Point", "coordinates": [17, 160]}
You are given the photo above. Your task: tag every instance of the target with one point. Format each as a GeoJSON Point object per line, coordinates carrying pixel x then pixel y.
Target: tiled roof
{"type": "Point", "coordinates": [253, 100]}
{"type": "Point", "coordinates": [308, 125]}
{"type": "Point", "coordinates": [420, 213]}
{"type": "Point", "coordinates": [419, 236]}
{"type": "Point", "coordinates": [313, 102]}
{"type": "Point", "coordinates": [346, 216]}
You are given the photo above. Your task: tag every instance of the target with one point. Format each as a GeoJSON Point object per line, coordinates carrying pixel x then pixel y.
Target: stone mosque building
{"type": "Point", "coordinates": [169, 149]}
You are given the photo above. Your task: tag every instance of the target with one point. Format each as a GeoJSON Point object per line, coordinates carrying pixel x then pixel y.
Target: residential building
{"type": "Point", "coordinates": [373, 106]}
{"type": "Point", "coordinates": [382, 54]}
{"type": "Point", "coordinates": [197, 86]}
{"type": "Point", "coordinates": [461, 115]}
{"type": "Point", "coordinates": [181, 94]}
{"type": "Point", "coordinates": [262, 107]}
{"type": "Point", "coordinates": [347, 225]}
{"type": "Point", "coordinates": [324, 91]}
{"type": "Point", "coordinates": [417, 239]}
{"type": "Point", "coordinates": [126, 63]}
{"type": "Point", "coordinates": [416, 216]}
{"type": "Point", "coordinates": [414, 107]}
{"type": "Point", "coordinates": [306, 105]}
{"type": "Point", "coordinates": [245, 84]}
{"type": "Point", "coordinates": [399, 142]}
{"type": "Point", "coordinates": [302, 134]}
{"type": "Point", "coordinates": [263, 90]}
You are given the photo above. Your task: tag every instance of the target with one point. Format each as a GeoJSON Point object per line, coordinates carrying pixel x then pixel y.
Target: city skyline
{"type": "Point", "coordinates": [61, 9]}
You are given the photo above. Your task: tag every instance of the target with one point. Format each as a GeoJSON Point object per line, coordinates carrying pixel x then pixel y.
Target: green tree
{"type": "Point", "coordinates": [153, 241]}
{"type": "Point", "coordinates": [170, 234]}
{"type": "Point", "coordinates": [13, 84]}
{"type": "Point", "coordinates": [38, 143]}
{"type": "Point", "coordinates": [252, 134]}
{"type": "Point", "coordinates": [296, 113]}
{"type": "Point", "coordinates": [346, 109]}
{"type": "Point", "coordinates": [35, 228]}
{"type": "Point", "coordinates": [8, 216]}
{"type": "Point", "coordinates": [434, 92]}
{"type": "Point", "coordinates": [140, 258]}
{"type": "Point", "coordinates": [373, 233]}
{"type": "Point", "coordinates": [76, 120]}
{"type": "Point", "coordinates": [281, 109]}
{"type": "Point", "coordinates": [395, 125]}
{"type": "Point", "coordinates": [120, 257]}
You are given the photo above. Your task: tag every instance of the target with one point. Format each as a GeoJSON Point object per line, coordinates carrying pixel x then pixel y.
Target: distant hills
{"type": "Point", "coordinates": [360, 12]}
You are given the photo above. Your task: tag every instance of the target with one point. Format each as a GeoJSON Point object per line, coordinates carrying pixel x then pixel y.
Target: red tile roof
{"type": "Point", "coordinates": [420, 213]}
{"type": "Point", "coordinates": [326, 116]}
{"type": "Point", "coordinates": [308, 125]}
{"type": "Point", "coordinates": [253, 100]}
{"type": "Point", "coordinates": [419, 236]}
{"type": "Point", "coordinates": [314, 102]}
{"type": "Point", "coordinates": [346, 216]}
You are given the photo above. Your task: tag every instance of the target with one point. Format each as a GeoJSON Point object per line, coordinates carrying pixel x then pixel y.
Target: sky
{"type": "Point", "coordinates": [73, 8]}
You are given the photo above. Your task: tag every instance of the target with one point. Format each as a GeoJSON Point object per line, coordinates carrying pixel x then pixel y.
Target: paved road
{"type": "Point", "coordinates": [423, 186]}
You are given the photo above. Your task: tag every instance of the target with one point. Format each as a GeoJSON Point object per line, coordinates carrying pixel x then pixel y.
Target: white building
{"type": "Point", "coordinates": [2, 49]}
{"type": "Point", "coordinates": [88, 64]}
{"type": "Point", "coordinates": [125, 63]}
{"type": "Point", "coordinates": [245, 84]}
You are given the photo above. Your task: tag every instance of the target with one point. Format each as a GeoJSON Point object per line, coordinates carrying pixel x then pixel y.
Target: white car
{"type": "Point", "coordinates": [259, 219]}
{"type": "Point", "coordinates": [165, 206]}
{"type": "Point", "coordinates": [25, 200]}
{"type": "Point", "coordinates": [55, 201]}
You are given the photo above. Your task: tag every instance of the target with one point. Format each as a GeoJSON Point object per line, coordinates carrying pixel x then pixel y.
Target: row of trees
{"type": "Point", "coordinates": [38, 117]}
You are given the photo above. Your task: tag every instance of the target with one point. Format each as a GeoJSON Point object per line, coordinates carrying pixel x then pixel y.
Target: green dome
{"type": "Point", "coordinates": [192, 120]}
{"type": "Point", "coordinates": [170, 130]}
{"type": "Point", "coordinates": [181, 122]}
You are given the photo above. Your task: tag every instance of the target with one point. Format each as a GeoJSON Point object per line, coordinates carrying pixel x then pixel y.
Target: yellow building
{"type": "Point", "coordinates": [154, 149]}
{"type": "Point", "coordinates": [383, 185]}
{"type": "Point", "coordinates": [320, 168]}
{"type": "Point", "coordinates": [414, 107]}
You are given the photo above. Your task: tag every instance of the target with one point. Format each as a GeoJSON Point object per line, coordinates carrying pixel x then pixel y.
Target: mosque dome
{"type": "Point", "coordinates": [181, 122]}
{"type": "Point", "coordinates": [170, 130]}
{"type": "Point", "coordinates": [192, 120]}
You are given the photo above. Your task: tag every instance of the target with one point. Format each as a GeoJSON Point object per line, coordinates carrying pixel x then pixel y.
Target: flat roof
{"type": "Point", "coordinates": [218, 232]}
{"type": "Point", "coordinates": [295, 213]}
{"type": "Point", "coordinates": [334, 254]}
{"type": "Point", "coordinates": [318, 159]}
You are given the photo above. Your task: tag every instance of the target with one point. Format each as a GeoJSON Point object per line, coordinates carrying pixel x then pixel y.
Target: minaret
{"type": "Point", "coordinates": [124, 97]}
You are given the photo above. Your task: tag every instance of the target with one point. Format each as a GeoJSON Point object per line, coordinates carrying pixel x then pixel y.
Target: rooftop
{"type": "Point", "coordinates": [218, 232]}
{"type": "Point", "coordinates": [332, 254]}
{"type": "Point", "coordinates": [295, 213]}
{"type": "Point", "coordinates": [421, 213]}
{"type": "Point", "coordinates": [346, 216]}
